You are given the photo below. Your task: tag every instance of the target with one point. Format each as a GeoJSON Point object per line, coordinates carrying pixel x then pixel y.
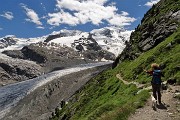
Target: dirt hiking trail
{"type": "Point", "coordinates": [168, 110]}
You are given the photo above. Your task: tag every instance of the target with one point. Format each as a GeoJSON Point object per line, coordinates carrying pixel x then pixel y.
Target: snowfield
{"type": "Point", "coordinates": [69, 39]}
{"type": "Point", "coordinates": [109, 38]}
{"type": "Point", "coordinates": [21, 42]}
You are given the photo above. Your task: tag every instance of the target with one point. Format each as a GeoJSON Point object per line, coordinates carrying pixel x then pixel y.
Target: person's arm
{"type": "Point", "coordinates": [149, 71]}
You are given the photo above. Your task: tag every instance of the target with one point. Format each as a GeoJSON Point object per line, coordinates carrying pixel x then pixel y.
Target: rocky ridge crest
{"type": "Point", "coordinates": [158, 23]}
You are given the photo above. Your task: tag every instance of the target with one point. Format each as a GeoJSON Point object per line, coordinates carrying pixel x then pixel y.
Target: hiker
{"type": "Point", "coordinates": [156, 80]}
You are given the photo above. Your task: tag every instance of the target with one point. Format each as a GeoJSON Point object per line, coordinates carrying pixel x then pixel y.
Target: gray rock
{"type": "Point", "coordinates": [14, 53]}
{"type": "Point", "coordinates": [172, 27]}
{"type": "Point", "coordinates": [13, 70]}
{"type": "Point", "coordinates": [147, 47]}
{"type": "Point", "coordinates": [7, 41]}
{"type": "Point", "coordinates": [145, 35]}
{"type": "Point", "coordinates": [168, 15]}
{"type": "Point", "coordinates": [158, 40]}
{"type": "Point", "coordinates": [176, 15]}
{"type": "Point", "coordinates": [51, 37]}
{"type": "Point", "coordinates": [146, 44]}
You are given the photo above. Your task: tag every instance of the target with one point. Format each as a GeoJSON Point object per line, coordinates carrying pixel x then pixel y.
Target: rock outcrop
{"type": "Point", "coordinates": [7, 41]}
{"type": "Point", "coordinates": [18, 70]}
{"type": "Point", "coordinates": [154, 33]}
{"type": "Point", "coordinates": [90, 49]}
{"type": "Point", "coordinates": [158, 24]}
{"type": "Point", "coordinates": [51, 37]}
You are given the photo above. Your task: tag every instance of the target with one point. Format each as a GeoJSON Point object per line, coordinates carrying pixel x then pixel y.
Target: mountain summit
{"type": "Point", "coordinates": [110, 39]}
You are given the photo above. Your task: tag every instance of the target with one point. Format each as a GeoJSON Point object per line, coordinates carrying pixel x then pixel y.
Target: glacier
{"type": "Point", "coordinates": [11, 94]}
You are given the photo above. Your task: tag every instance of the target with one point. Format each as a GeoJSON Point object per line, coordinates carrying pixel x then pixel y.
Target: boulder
{"type": "Point", "coordinates": [171, 81]}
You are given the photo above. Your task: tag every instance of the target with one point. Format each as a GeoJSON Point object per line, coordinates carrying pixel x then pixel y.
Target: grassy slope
{"type": "Point", "coordinates": [107, 98]}
{"type": "Point", "coordinates": [168, 57]}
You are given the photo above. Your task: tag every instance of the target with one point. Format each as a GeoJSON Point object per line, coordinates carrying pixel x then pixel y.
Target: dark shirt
{"type": "Point", "coordinates": [156, 76]}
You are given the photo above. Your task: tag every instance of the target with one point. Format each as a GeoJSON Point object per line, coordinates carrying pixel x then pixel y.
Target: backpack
{"type": "Point", "coordinates": [156, 79]}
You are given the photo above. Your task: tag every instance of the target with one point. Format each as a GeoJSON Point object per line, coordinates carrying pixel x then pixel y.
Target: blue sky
{"type": "Point", "coordinates": [35, 18]}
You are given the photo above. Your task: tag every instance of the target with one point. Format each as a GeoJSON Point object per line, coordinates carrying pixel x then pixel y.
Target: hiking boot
{"type": "Point", "coordinates": [159, 102]}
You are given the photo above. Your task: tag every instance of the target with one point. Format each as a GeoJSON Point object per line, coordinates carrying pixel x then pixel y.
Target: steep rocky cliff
{"type": "Point", "coordinates": [162, 20]}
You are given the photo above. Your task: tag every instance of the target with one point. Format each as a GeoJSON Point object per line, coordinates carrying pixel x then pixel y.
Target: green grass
{"type": "Point", "coordinates": [105, 97]}
{"type": "Point", "coordinates": [167, 57]}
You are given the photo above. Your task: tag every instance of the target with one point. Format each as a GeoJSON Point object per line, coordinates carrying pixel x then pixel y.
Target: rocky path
{"type": "Point", "coordinates": [127, 83]}
{"type": "Point", "coordinates": [168, 110]}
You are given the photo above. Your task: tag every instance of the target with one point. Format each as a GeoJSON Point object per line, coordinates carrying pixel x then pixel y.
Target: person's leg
{"type": "Point", "coordinates": [154, 89]}
{"type": "Point", "coordinates": [159, 93]}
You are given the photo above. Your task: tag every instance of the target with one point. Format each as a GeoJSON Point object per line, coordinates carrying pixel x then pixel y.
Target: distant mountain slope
{"type": "Point", "coordinates": [110, 39]}
{"type": "Point", "coordinates": [58, 50]}
{"type": "Point", "coordinates": [11, 42]}
{"type": "Point", "coordinates": [7, 41]}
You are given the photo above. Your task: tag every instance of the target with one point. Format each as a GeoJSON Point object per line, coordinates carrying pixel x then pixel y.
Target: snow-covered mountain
{"type": "Point", "coordinates": [10, 42]}
{"type": "Point", "coordinates": [109, 38]}
{"type": "Point", "coordinates": [7, 41]}
{"type": "Point", "coordinates": [22, 59]}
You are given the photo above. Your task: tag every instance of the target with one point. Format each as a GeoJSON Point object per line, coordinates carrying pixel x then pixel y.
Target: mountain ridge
{"type": "Point", "coordinates": [115, 38]}
{"type": "Point", "coordinates": [158, 23]}
{"type": "Point", "coordinates": [58, 50]}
